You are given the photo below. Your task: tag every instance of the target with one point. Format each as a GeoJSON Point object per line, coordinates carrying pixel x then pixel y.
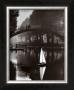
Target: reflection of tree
{"type": "Point", "coordinates": [12, 71]}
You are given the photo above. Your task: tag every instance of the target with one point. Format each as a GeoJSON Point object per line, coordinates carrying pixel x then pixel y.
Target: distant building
{"type": "Point", "coordinates": [53, 20]}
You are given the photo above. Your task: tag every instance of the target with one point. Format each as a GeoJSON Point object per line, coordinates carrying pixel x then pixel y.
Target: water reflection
{"type": "Point", "coordinates": [29, 58]}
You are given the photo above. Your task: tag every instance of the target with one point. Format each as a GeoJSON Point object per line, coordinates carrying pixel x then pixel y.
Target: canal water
{"type": "Point", "coordinates": [26, 67]}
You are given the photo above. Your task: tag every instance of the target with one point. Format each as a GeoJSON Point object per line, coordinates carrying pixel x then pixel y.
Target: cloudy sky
{"type": "Point", "coordinates": [23, 14]}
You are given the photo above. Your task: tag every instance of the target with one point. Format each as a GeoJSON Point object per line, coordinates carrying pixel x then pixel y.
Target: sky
{"type": "Point", "coordinates": [23, 14]}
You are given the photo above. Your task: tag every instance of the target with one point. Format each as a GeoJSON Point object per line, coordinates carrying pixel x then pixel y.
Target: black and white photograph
{"type": "Point", "coordinates": [36, 50]}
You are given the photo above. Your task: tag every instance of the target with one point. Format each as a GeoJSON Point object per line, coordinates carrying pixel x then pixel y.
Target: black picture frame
{"type": "Point", "coordinates": [3, 42]}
